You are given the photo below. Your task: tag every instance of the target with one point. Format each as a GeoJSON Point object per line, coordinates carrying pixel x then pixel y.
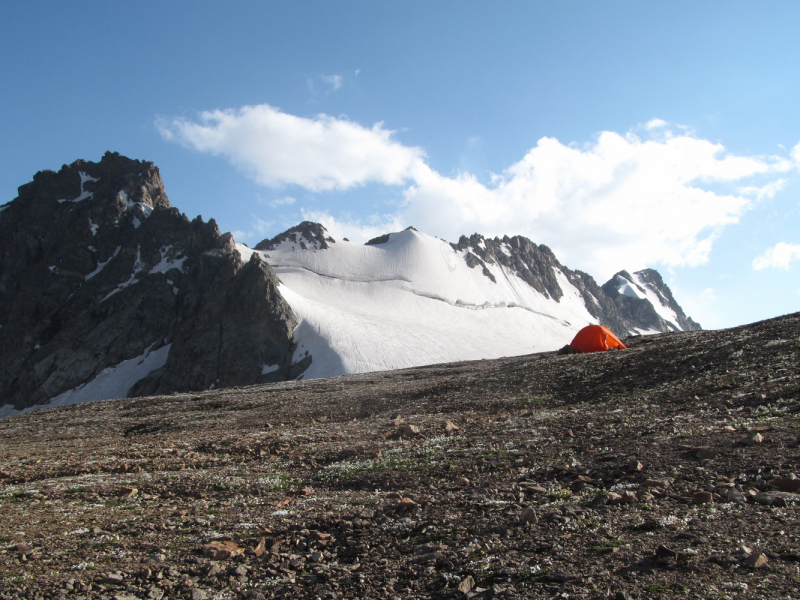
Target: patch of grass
{"type": "Point", "coordinates": [114, 503]}
{"type": "Point", "coordinates": [79, 490]}
{"type": "Point", "coordinates": [605, 544]}
{"type": "Point", "coordinates": [274, 482]}
{"type": "Point", "coordinates": [655, 588]}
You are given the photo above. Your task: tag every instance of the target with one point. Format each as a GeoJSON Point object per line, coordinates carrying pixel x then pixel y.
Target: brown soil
{"type": "Point", "coordinates": [641, 471]}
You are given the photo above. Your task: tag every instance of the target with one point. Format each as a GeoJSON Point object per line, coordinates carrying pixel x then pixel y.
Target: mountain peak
{"type": "Point", "coordinates": [305, 235]}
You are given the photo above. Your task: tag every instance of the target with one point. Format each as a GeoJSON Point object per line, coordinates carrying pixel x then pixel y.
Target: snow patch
{"type": "Point", "coordinates": [112, 382]}
{"type": "Point", "coordinates": [138, 267]}
{"type": "Point", "coordinates": [146, 208]}
{"type": "Point", "coordinates": [169, 260]}
{"type": "Point", "coordinates": [93, 226]}
{"type": "Point", "coordinates": [84, 194]}
{"type": "Point", "coordinates": [267, 369]}
{"type": "Point", "coordinates": [412, 301]}
{"type": "Point", "coordinates": [101, 265]}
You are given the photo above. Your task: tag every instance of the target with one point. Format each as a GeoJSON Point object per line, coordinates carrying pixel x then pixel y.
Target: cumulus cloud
{"type": "Point", "coordinates": [276, 148]}
{"type": "Point", "coordinates": [285, 201]}
{"type": "Point", "coordinates": [335, 81]}
{"type": "Point", "coordinates": [622, 201]}
{"type": "Point", "coordinates": [780, 256]}
{"type": "Point", "coordinates": [619, 202]}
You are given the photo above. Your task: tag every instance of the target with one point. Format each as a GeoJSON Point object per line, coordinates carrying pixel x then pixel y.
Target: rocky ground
{"type": "Point", "coordinates": [665, 470]}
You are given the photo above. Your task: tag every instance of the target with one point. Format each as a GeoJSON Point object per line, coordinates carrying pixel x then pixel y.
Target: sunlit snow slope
{"type": "Point", "coordinates": [412, 301]}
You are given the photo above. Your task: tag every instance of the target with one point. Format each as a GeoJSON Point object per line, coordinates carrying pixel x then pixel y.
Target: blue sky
{"type": "Point", "coordinates": [621, 134]}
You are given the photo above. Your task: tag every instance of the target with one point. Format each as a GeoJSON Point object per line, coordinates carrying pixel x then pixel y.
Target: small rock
{"type": "Point", "coordinates": [261, 548]}
{"type": "Point", "coordinates": [466, 585]}
{"type": "Point", "coordinates": [787, 484]}
{"type": "Point", "coordinates": [664, 552]}
{"type": "Point", "coordinates": [408, 430]}
{"type": "Point", "coordinates": [24, 549]}
{"type": "Point", "coordinates": [753, 440]}
{"type": "Point", "coordinates": [528, 515]}
{"type": "Point", "coordinates": [198, 594]}
{"type": "Point", "coordinates": [705, 453]}
{"type": "Point", "coordinates": [128, 492]}
{"type": "Point", "coordinates": [657, 483]}
{"type": "Point", "coordinates": [612, 498]}
{"type": "Point", "coordinates": [222, 550]}
{"type": "Point", "coordinates": [735, 495]}
{"type": "Point", "coordinates": [450, 427]}
{"type": "Point", "coordinates": [635, 466]}
{"type": "Point", "coordinates": [111, 579]}
{"type": "Point", "coordinates": [756, 561]}
{"type": "Point", "coordinates": [702, 497]}
{"type": "Point", "coordinates": [316, 557]}
{"type": "Point", "coordinates": [406, 504]}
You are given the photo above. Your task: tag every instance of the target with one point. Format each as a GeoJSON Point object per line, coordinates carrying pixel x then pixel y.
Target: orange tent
{"type": "Point", "coordinates": [595, 338]}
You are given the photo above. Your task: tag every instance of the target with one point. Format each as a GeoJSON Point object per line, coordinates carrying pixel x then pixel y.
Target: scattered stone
{"type": "Point", "coordinates": [450, 427]}
{"type": "Point", "coordinates": [198, 594]}
{"type": "Point", "coordinates": [702, 497]}
{"type": "Point", "coordinates": [222, 550]}
{"type": "Point", "coordinates": [786, 484]}
{"type": "Point", "coordinates": [406, 504]}
{"type": "Point", "coordinates": [111, 579]}
{"type": "Point", "coordinates": [705, 453]}
{"type": "Point", "coordinates": [657, 483]}
{"type": "Point", "coordinates": [409, 431]}
{"type": "Point", "coordinates": [528, 515]}
{"type": "Point", "coordinates": [128, 492]}
{"type": "Point", "coordinates": [753, 440]}
{"type": "Point", "coordinates": [756, 561]}
{"type": "Point", "coordinates": [261, 548]}
{"type": "Point", "coordinates": [635, 466]}
{"type": "Point", "coordinates": [466, 585]}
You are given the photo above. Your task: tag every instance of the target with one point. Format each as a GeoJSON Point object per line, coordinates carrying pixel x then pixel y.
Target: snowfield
{"type": "Point", "coordinates": [412, 301]}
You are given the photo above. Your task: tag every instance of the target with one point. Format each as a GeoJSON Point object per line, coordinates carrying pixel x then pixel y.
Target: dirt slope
{"type": "Point", "coordinates": [664, 470]}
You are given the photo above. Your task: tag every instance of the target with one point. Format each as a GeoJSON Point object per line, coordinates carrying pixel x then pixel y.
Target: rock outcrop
{"type": "Point", "coordinates": [640, 303]}
{"type": "Point", "coordinates": [104, 283]}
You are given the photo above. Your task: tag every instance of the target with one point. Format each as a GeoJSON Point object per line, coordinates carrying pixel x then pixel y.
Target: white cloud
{"type": "Point", "coordinates": [276, 148]}
{"type": "Point", "coordinates": [619, 201]}
{"type": "Point", "coordinates": [285, 201]}
{"type": "Point", "coordinates": [655, 124]}
{"type": "Point", "coordinates": [709, 294]}
{"type": "Point", "coordinates": [335, 81]}
{"type": "Point", "coordinates": [781, 256]}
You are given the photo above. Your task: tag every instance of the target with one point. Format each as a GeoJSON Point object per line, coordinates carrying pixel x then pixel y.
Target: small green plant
{"type": "Point", "coordinates": [605, 544]}
{"type": "Point", "coordinates": [655, 588]}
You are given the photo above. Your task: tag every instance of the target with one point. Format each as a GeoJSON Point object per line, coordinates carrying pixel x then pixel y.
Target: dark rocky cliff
{"type": "Point", "coordinates": [96, 268]}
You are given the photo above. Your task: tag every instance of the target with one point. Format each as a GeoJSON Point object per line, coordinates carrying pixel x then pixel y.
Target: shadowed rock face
{"type": "Point", "coordinates": [98, 268]}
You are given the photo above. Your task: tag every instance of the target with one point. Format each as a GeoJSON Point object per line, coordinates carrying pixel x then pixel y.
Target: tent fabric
{"type": "Point", "coordinates": [596, 338]}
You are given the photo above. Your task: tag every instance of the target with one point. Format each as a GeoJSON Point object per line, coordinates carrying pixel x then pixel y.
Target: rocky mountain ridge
{"type": "Point", "coordinates": [107, 290]}
{"type": "Point", "coordinates": [100, 274]}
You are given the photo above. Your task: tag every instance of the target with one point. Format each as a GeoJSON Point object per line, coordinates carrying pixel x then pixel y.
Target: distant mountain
{"type": "Point", "coordinates": [406, 299]}
{"type": "Point", "coordinates": [107, 291]}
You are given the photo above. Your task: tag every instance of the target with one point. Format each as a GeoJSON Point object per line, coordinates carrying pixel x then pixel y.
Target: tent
{"type": "Point", "coordinates": [596, 338]}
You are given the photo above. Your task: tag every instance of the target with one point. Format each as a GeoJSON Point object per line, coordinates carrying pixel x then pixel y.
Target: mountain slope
{"type": "Point", "coordinates": [107, 290]}
{"type": "Point", "coordinates": [407, 299]}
